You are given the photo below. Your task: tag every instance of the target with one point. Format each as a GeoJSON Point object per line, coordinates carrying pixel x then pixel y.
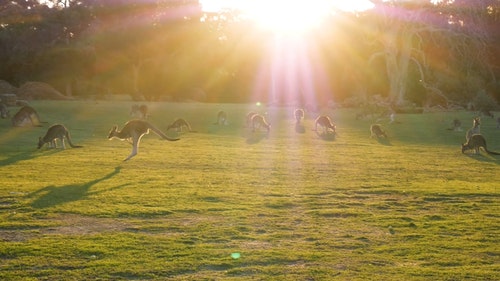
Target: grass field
{"type": "Point", "coordinates": [227, 204]}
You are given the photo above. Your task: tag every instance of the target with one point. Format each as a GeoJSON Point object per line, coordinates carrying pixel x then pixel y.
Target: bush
{"type": "Point", "coordinates": [485, 103]}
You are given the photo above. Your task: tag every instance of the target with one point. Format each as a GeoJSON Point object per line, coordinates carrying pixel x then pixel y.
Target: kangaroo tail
{"type": "Point", "coordinates": [68, 137]}
{"type": "Point", "coordinates": [491, 152]}
{"type": "Point", "coordinates": [161, 134]}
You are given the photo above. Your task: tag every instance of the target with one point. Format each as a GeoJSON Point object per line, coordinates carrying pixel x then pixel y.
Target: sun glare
{"type": "Point", "coordinates": [291, 72]}
{"type": "Point", "coordinates": [284, 15]}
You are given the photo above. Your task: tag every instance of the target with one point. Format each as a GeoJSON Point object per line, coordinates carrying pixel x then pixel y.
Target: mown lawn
{"type": "Point", "coordinates": [224, 203]}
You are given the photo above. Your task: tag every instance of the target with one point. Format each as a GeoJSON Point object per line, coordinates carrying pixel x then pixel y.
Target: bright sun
{"type": "Point", "coordinates": [291, 71]}
{"type": "Point", "coordinates": [286, 15]}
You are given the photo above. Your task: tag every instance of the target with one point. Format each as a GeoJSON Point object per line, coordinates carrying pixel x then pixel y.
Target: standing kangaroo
{"type": "Point", "coordinates": [133, 131]}
{"type": "Point", "coordinates": [456, 125]}
{"type": "Point", "coordinates": [299, 115]}
{"type": "Point", "coordinates": [54, 133]}
{"type": "Point", "coordinates": [475, 130]}
{"type": "Point", "coordinates": [139, 111]}
{"type": "Point", "coordinates": [221, 118]}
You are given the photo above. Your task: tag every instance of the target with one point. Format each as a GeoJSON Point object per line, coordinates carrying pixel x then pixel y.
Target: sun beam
{"type": "Point", "coordinates": [292, 73]}
{"type": "Point", "coordinates": [284, 15]}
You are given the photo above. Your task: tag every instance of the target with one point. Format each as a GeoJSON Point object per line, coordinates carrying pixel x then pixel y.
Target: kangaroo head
{"type": "Point", "coordinates": [113, 132]}
{"type": "Point", "coordinates": [464, 147]}
{"type": "Point", "coordinates": [476, 121]}
{"type": "Point", "coordinates": [40, 142]}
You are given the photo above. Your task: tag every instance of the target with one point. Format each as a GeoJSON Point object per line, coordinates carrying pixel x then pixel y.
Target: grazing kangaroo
{"type": "Point", "coordinates": [475, 142]}
{"type": "Point", "coordinates": [475, 130]}
{"type": "Point", "coordinates": [221, 118]}
{"type": "Point", "coordinates": [258, 121]}
{"type": "Point", "coordinates": [139, 111]}
{"type": "Point", "coordinates": [54, 133]}
{"type": "Point", "coordinates": [133, 131]}
{"type": "Point", "coordinates": [299, 115]}
{"type": "Point", "coordinates": [179, 124]}
{"type": "Point", "coordinates": [325, 122]}
{"type": "Point", "coordinates": [249, 118]}
{"type": "Point", "coordinates": [4, 111]}
{"type": "Point", "coordinates": [377, 131]}
{"type": "Point", "coordinates": [27, 115]}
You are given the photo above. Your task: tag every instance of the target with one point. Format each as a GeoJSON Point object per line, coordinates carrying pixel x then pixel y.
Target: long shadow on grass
{"type": "Point", "coordinates": [300, 129]}
{"type": "Point", "coordinates": [384, 141]}
{"type": "Point", "coordinates": [256, 137]}
{"type": "Point", "coordinates": [327, 136]}
{"type": "Point", "coordinates": [27, 155]}
{"type": "Point", "coordinates": [53, 195]}
{"type": "Point", "coordinates": [484, 158]}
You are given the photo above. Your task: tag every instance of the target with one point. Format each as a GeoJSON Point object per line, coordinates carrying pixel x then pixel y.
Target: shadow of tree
{"type": "Point", "coordinates": [52, 195]}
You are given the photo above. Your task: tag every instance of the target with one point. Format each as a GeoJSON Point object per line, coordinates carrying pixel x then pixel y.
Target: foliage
{"type": "Point", "coordinates": [293, 206]}
{"type": "Point", "coordinates": [485, 103]}
{"type": "Point", "coordinates": [164, 49]}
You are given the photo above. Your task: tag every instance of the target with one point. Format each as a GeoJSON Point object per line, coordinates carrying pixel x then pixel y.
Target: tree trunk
{"type": "Point", "coordinates": [397, 60]}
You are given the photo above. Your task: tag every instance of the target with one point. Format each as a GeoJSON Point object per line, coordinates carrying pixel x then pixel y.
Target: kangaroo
{"type": "Point", "coordinates": [299, 115]}
{"type": "Point", "coordinates": [456, 125]}
{"type": "Point", "coordinates": [221, 118]}
{"type": "Point", "coordinates": [54, 133]}
{"type": "Point", "coordinates": [377, 131]}
{"type": "Point", "coordinates": [4, 111]}
{"type": "Point", "coordinates": [475, 142]}
{"type": "Point", "coordinates": [26, 116]}
{"type": "Point", "coordinates": [325, 122]}
{"type": "Point", "coordinates": [249, 118]}
{"type": "Point", "coordinates": [258, 121]}
{"type": "Point", "coordinates": [179, 124]}
{"type": "Point", "coordinates": [475, 130]}
{"type": "Point", "coordinates": [139, 111]}
{"type": "Point", "coordinates": [133, 131]}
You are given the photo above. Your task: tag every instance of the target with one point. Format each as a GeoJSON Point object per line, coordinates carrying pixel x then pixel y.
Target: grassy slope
{"type": "Point", "coordinates": [294, 206]}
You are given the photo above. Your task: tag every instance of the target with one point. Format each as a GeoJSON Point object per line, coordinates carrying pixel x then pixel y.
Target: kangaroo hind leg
{"type": "Point", "coordinates": [135, 147]}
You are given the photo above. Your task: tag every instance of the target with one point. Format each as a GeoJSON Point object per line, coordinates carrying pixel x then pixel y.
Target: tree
{"type": "Point", "coordinates": [408, 33]}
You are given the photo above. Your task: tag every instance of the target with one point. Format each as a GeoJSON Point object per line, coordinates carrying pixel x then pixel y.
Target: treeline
{"type": "Point", "coordinates": [407, 51]}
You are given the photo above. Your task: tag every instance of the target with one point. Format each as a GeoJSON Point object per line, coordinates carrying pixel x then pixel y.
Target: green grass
{"type": "Point", "coordinates": [294, 206]}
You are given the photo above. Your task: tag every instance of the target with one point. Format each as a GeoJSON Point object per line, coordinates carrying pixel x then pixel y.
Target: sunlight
{"type": "Point", "coordinates": [292, 73]}
{"type": "Point", "coordinates": [286, 16]}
